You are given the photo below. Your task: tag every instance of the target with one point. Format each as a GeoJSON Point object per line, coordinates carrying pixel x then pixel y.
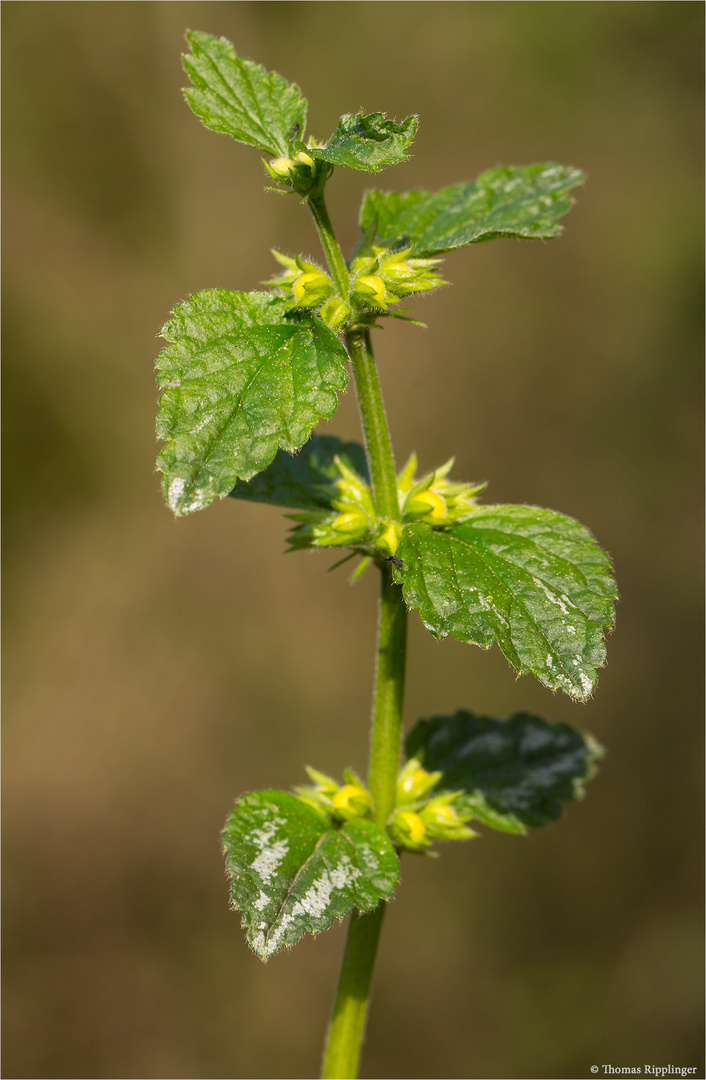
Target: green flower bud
{"type": "Point", "coordinates": [408, 830]}
{"type": "Point", "coordinates": [334, 312]}
{"type": "Point", "coordinates": [319, 793]}
{"type": "Point", "coordinates": [345, 801]}
{"type": "Point", "coordinates": [407, 275]}
{"type": "Point", "coordinates": [353, 523]}
{"type": "Point", "coordinates": [353, 489]}
{"type": "Point", "coordinates": [311, 288]}
{"type": "Point", "coordinates": [435, 499]}
{"type": "Point", "coordinates": [316, 529]}
{"type": "Point", "coordinates": [388, 536]}
{"type": "Point", "coordinates": [298, 172]}
{"type": "Point", "coordinates": [427, 506]}
{"type": "Point", "coordinates": [322, 781]}
{"type": "Point", "coordinates": [371, 288]}
{"type": "Point", "coordinates": [351, 801]}
{"type": "Point", "coordinates": [442, 821]}
{"type": "Point", "coordinates": [280, 169]}
{"type": "Point", "coordinates": [414, 782]}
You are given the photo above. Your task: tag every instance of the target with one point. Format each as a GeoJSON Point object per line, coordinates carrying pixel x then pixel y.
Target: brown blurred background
{"type": "Point", "coordinates": [155, 669]}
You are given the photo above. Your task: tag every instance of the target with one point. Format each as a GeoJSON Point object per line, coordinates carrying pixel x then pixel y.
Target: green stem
{"type": "Point", "coordinates": [375, 430]}
{"type": "Point", "coordinates": [336, 262]}
{"type": "Point", "coordinates": [345, 1034]}
{"type": "Point", "coordinates": [389, 700]}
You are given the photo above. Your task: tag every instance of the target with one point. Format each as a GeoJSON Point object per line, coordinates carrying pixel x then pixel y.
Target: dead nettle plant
{"type": "Point", "coordinates": [244, 380]}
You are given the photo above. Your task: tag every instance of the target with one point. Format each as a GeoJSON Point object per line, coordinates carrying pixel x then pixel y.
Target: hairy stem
{"type": "Point", "coordinates": [375, 430]}
{"type": "Point", "coordinates": [336, 262]}
{"type": "Point", "coordinates": [389, 700]}
{"type": "Point", "coordinates": [345, 1034]}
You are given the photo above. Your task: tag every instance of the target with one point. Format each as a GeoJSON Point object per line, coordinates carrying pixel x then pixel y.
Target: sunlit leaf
{"type": "Point", "coordinates": [368, 141]}
{"type": "Point", "coordinates": [239, 380]}
{"type": "Point", "coordinates": [521, 202]}
{"type": "Point", "coordinates": [240, 98]}
{"type": "Point", "coordinates": [531, 579]}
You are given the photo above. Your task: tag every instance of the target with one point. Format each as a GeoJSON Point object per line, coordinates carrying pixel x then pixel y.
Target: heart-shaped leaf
{"type": "Point", "coordinates": [239, 380]}
{"type": "Point", "coordinates": [292, 872]}
{"type": "Point", "coordinates": [533, 580]}
{"type": "Point", "coordinates": [511, 774]}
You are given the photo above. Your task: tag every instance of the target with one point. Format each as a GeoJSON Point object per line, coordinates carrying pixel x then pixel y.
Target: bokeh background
{"type": "Point", "coordinates": [155, 669]}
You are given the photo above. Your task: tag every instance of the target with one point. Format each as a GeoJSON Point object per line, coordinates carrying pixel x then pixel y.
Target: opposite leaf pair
{"type": "Point", "coordinates": [237, 97]}
{"type": "Point", "coordinates": [295, 868]}
{"type": "Point", "coordinates": [532, 580]}
{"type": "Point", "coordinates": [243, 375]}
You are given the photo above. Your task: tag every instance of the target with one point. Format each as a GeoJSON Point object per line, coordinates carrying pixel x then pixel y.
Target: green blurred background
{"type": "Point", "coordinates": [155, 669]}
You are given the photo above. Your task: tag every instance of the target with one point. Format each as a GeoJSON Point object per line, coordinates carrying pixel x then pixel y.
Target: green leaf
{"type": "Point", "coordinates": [512, 774]}
{"type": "Point", "coordinates": [293, 873]}
{"type": "Point", "coordinates": [521, 202]}
{"type": "Point", "coordinates": [368, 142]}
{"type": "Point", "coordinates": [238, 381]}
{"type": "Point", "coordinates": [531, 579]}
{"type": "Point", "coordinates": [240, 98]}
{"type": "Point", "coordinates": [300, 481]}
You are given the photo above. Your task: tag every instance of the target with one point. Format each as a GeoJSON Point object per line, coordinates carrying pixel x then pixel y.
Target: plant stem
{"type": "Point", "coordinates": [336, 262]}
{"type": "Point", "coordinates": [375, 430]}
{"type": "Point", "coordinates": [372, 413]}
{"type": "Point", "coordinates": [345, 1034]}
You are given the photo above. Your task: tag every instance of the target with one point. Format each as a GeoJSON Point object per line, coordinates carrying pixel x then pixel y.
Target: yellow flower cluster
{"type": "Point", "coordinates": [341, 801]}
{"type": "Point", "coordinates": [419, 818]}
{"type": "Point", "coordinates": [376, 280]}
{"type": "Point", "coordinates": [353, 522]}
{"type": "Point", "coordinates": [383, 277]}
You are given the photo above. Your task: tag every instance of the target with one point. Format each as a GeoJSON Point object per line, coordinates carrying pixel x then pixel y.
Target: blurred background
{"type": "Point", "coordinates": [155, 669]}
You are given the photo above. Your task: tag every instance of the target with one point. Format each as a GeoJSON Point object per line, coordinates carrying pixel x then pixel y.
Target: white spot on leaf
{"type": "Point", "coordinates": [265, 865]}
{"type": "Point", "coordinates": [552, 597]}
{"type": "Point", "coordinates": [176, 490]}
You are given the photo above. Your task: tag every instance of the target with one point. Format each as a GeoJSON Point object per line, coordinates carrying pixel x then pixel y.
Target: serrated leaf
{"type": "Point", "coordinates": [292, 873]}
{"type": "Point", "coordinates": [237, 97]}
{"type": "Point", "coordinates": [296, 481]}
{"type": "Point", "coordinates": [512, 774]}
{"type": "Point", "coordinates": [238, 381]}
{"type": "Point", "coordinates": [522, 202]}
{"type": "Point", "coordinates": [368, 141]}
{"type": "Point", "coordinates": [531, 579]}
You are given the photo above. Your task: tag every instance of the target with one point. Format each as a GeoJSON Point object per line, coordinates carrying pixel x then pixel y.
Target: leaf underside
{"type": "Point", "coordinates": [239, 380]}
{"type": "Point", "coordinates": [515, 201]}
{"type": "Point", "coordinates": [531, 579]}
{"type": "Point", "coordinates": [237, 97]}
{"type": "Point", "coordinates": [368, 142]}
{"type": "Point", "coordinates": [299, 481]}
{"type": "Point", "coordinates": [512, 774]}
{"type": "Point", "coordinates": [292, 873]}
